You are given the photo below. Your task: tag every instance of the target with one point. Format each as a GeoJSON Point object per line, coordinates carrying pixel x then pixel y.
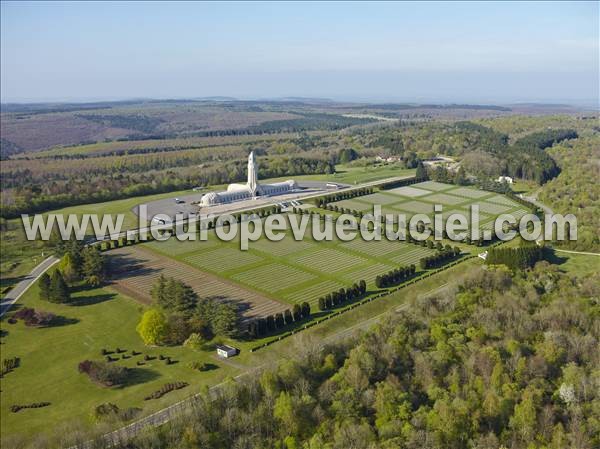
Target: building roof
{"type": "Point", "coordinates": [226, 348]}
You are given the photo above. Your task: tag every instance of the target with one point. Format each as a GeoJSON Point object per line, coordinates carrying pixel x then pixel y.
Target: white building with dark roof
{"type": "Point", "coordinates": [226, 351]}
{"type": "Point", "coordinates": [252, 189]}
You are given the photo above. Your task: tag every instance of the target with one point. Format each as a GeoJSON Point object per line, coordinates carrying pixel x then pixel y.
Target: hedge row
{"type": "Point", "coordinates": [18, 407]}
{"type": "Point", "coordinates": [9, 364]}
{"type": "Point", "coordinates": [166, 388]}
{"type": "Point", "coordinates": [364, 301]}
{"type": "Point", "coordinates": [439, 258]}
{"type": "Point", "coordinates": [342, 295]}
{"type": "Point", "coordinates": [345, 195]}
{"type": "Point", "coordinates": [271, 323]}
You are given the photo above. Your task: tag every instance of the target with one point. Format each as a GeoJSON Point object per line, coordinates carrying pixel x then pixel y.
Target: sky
{"type": "Point", "coordinates": [477, 52]}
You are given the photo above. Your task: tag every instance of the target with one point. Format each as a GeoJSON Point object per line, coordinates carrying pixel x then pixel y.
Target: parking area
{"type": "Point", "coordinates": [186, 204]}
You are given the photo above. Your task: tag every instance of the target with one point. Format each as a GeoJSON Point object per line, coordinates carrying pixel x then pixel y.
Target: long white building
{"type": "Point", "coordinates": [252, 189]}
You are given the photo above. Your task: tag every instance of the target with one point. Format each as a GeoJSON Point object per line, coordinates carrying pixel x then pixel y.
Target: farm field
{"type": "Point", "coordinates": [420, 199]}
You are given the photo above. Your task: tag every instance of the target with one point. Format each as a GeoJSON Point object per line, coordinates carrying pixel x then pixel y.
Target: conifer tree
{"type": "Point", "coordinates": [59, 290]}
{"type": "Point", "coordinates": [44, 284]}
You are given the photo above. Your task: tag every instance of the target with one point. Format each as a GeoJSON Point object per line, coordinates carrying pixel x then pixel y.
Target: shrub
{"type": "Point", "coordinates": [16, 408]}
{"type": "Point", "coordinates": [9, 364]}
{"type": "Point", "coordinates": [166, 389]}
{"type": "Point", "coordinates": [253, 329]}
{"type": "Point", "coordinates": [296, 312]}
{"type": "Point", "coordinates": [194, 341]}
{"type": "Point", "coordinates": [305, 310]}
{"type": "Point", "coordinates": [32, 317]}
{"type": "Point", "coordinates": [152, 327]}
{"type": "Point", "coordinates": [104, 411]}
{"type": "Point", "coordinates": [199, 366]}
{"type": "Point", "coordinates": [104, 373]}
{"type": "Point", "coordinates": [109, 410]}
{"type": "Point", "coordinates": [322, 305]}
{"type": "Point", "coordinates": [279, 322]}
{"type": "Point", "coordinates": [270, 322]}
{"type": "Point", "coordinates": [289, 319]}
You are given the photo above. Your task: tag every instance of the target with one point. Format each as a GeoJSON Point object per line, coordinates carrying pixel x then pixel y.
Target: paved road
{"type": "Point", "coordinates": [13, 295]}
{"type": "Point", "coordinates": [533, 200]}
{"type": "Point", "coordinates": [584, 253]}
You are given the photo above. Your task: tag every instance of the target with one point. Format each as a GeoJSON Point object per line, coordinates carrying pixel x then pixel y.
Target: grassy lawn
{"type": "Point", "coordinates": [294, 271]}
{"type": "Point", "coordinates": [525, 187]}
{"type": "Point", "coordinates": [577, 264]}
{"type": "Point", "coordinates": [49, 358]}
{"type": "Point", "coordinates": [420, 199]}
{"type": "Point", "coordinates": [351, 174]}
{"type": "Point", "coordinates": [19, 256]}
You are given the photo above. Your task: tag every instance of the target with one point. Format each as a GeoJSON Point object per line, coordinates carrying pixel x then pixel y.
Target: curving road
{"type": "Point", "coordinates": [21, 287]}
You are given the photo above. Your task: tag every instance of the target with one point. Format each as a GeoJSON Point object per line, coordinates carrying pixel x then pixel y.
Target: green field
{"type": "Point", "coordinates": [290, 270]}
{"type": "Point", "coordinates": [49, 358]}
{"type": "Point", "coordinates": [577, 264]}
{"type": "Point", "coordinates": [420, 199]}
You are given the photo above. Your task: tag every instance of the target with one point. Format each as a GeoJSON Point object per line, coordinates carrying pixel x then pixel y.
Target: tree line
{"type": "Point", "coordinates": [78, 264]}
{"type": "Point", "coordinates": [334, 299]}
{"type": "Point", "coordinates": [98, 186]}
{"type": "Point", "coordinates": [519, 258]}
{"type": "Point", "coordinates": [271, 323]}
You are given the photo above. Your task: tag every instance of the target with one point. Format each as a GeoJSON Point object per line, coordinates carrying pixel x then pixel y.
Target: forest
{"type": "Point", "coordinates": [498, 361]}
{"type": "Point", "coordinates": [577, 190]}
{"type": "Point", "coordinates": [485, 152]}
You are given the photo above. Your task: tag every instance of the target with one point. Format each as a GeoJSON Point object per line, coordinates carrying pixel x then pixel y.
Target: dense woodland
{"type": "Point", "coordinates": [486, 152]}
{"type": "Point", "coordinates": [500, 361]}
{"type": "Point", "coordinates": [577, 189]}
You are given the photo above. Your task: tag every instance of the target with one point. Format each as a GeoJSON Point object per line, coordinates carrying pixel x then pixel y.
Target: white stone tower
{"type": "Point", "coordinates": [252, 174]}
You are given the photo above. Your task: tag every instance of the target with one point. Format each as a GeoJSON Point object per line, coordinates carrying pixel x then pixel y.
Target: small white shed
{"type": "Point", "coordinates": [226, 351]}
